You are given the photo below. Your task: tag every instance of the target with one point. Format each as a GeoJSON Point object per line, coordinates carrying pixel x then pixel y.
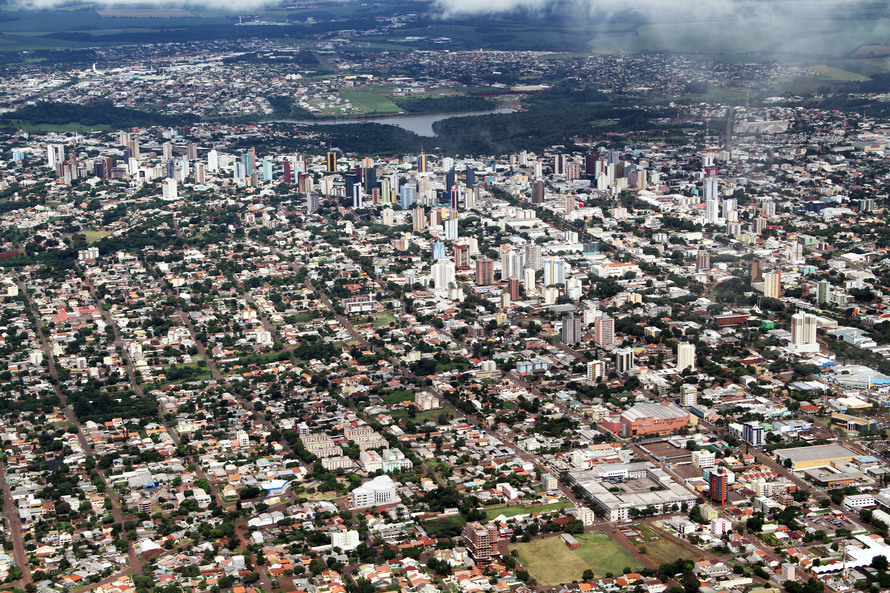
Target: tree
{"type": "Point", "coordinates": [588, 575]}
{"type": "Point", "coordinates": [879, 562]}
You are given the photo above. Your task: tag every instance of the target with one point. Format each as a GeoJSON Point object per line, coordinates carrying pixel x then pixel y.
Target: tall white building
{"type": "Point", "coordinates": [450, 225]}
{"type": "Point", "coordinates": [685, 356]}
{"type": "Point", "coordinates": [712, 205]}
{"type": "Point", "coordinates": [443, 274]}
{"type": "Point", "coordinates": [213, 161]}
{"type": "Point", "coordinates": [803, 333]}
{"type": "Point", "coordinates": [168, 189]}
{"type": "Point", "coordinates": [511, 264]}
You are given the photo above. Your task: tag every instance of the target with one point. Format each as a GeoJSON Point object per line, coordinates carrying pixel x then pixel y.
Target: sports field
{"type": "Point", "coordinates": [551, 562]}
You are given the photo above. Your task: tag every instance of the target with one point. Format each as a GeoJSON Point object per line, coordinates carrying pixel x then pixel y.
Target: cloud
{"type": "Point", "coordinates": [664, 10]}
{"type": "Point", "coordinates": [220, 5]}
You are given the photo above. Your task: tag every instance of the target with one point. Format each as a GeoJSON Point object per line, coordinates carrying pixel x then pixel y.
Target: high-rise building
{"type": "Point", "coordinates": [462, 256]}
{"type": "Point", "coordinates": [169, 190]}
{"type": "Point", "coordinates": [481, 541]}
{"type": "Point", "coordinates": [418, 217]}
{"type": "Point", "coordinates": [438, 250]}
{"type": "Point", "coordinates": [407, 195]}
{"type": "Point", "coordinates": [512, 263]}
{"type": "Point", "coordinates": [538, 191]}
{"type": "Point", "coordinates": [471, 177]}
{"type": "Point", "coordinates": [595, 370]}
{"type": "Point", "coordinates": [572, 329]}
{"type": "Point", "coordinates": [688, 395]}
{"type": "Point", "coordinates": [756, 271]}
{"type": "Point", "coordinates": [604, 330]}
{"type": "Point", "coordinates": [772, 284]}
{"type": "Point", "coordinates": [484, 271]}
{"type": "Point", "coordinates": [711, 196]}
{"type": "Point", "coordinates": [685, 356]}
{"type": "Point", "coordinates": [554, 270]}
{"type": "Point", "coordinates": [718, 482]}
{"type": "Point", "coordinates": [331, 162]}
{"type": "Point", "coordinates": [450, 225]}
{"type": "Point", "coordinates": [533, 253]}
{"type": "Point", "coordinates": [753, 434]}
{"type": "Point", "coordinates": [213, 161]}
{"type": "Point", "coordinates": [803, 333]}
{"type": "Point", "coordinates": [443, 274]}
{"type": "Point", "coordinates": [421, 163]}
{"type": "Point", "coordinates": [286, 174]}
{"type": "Point", "coordinates": [513, 285]}
{"type": "Point", "coordinates": [823, 291]}
{"type": "Point", "coordinates": [624, 360]}
{"type": "Point", "coordinates": [703, 260]}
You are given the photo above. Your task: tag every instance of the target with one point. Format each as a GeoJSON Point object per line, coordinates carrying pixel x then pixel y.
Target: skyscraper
{"type": "Point", "coordinates": [421, 163]}
{"type": "Point", "coordinates": [533, 254]}
{"type": "Point", "coordinates": [407, 195]}
{"type": "Point", "coordinates": [484, 271]}
{"type": "Point", "coordinates": [462, 256]}
{"type": "Point", "coordinates": [443, 274]}
{"type": "Point", "coordinates": [418, 218]}
{"type": "Point", "coordinates": [471, 177]}
{"type": "Point", "coordinates": [823, 291]}
{"type": "Point", "coordinates": [718, 482]}
{"type": "Point", "coordinates": [604, 330]}
{"type": "Point", "coordinates": [703, 260]}
{"type": "Point", "coordinates": [685, 356]}
{"type": "Point", "coordinates": [772, 284]}
{"type": "Point", "coordinates": [538, 191]}
{"type": "Point", "coordinates": [803, 333]}
{"type": "Point", "coordinates": [331, 162]}
{"type": "Point", "coordinates": [756, 271]}
{"type": "Point", "coordinates": [554, 270]}
{"type": "Point", "coordinates": [572, 329]}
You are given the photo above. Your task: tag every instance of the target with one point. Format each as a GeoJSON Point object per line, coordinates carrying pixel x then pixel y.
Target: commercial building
{"type": "Point", "coordinates": [647, 418]}
{"type": "Point", "coordinates": [599, 483]}
{"type": "Point", "coordinates": [718, 482]}
{"type": "Point", "coordinates": [802, 458]}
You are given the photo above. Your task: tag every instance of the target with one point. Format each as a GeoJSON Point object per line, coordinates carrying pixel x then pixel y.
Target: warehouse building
{"type": "Point", "coordinates": [817, 456]}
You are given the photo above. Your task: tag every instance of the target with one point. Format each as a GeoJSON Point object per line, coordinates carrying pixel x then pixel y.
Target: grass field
{"type": "Point", "coordinates": [369, 102]}
{"type": "Point", "coordinates": [93, 236]}
{"type": "Point", "coordinates": [397, 397]}
{"type": "Point", "coordinates": [663, 550]}
{"type": "Point", "coordinates": [551, 563]}
{"type": "Point", "coordinates": [384, 319]}
{"type": "Point", "coordinates": [512, 511]}
{"type": "Point", "coordinates": [832, 73]}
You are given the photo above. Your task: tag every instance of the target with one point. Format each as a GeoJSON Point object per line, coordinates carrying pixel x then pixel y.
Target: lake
{"type": "Point", "coordinates": [422, 125]}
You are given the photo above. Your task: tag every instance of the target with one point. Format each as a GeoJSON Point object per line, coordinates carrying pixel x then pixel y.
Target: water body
{"type": "Point", "coordinates": [422, 125]}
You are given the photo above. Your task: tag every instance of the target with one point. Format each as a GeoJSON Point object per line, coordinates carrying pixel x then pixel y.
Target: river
{"type": "Point", "coordinates": [422, 125]}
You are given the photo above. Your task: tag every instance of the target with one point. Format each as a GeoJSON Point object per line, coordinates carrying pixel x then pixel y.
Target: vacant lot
{"type": "Point", "coordinates": [551, 563]}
